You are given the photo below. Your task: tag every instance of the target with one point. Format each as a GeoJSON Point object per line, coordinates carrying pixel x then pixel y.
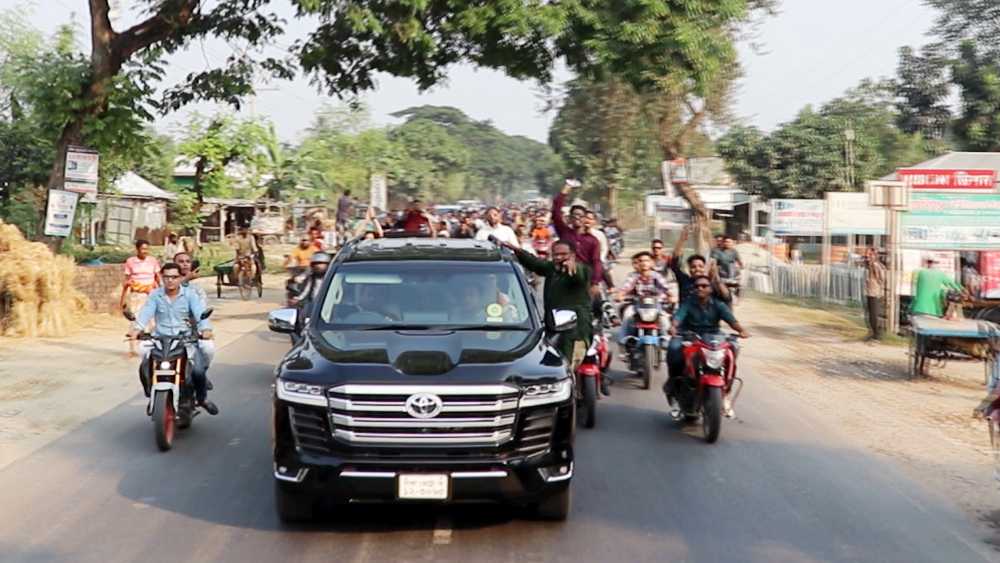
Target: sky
{"type": "Point", "coordinates": [811, 52]}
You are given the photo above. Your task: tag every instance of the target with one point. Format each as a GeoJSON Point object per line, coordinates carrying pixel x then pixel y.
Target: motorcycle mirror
{"type": "Point", "coordinates": [128, 315]}
{"type": "Point", "coordinates": [207, 313]}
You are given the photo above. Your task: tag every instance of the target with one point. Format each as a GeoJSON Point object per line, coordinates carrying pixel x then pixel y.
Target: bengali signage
{"type": "Point", "coordinates": [81, 173]}
{"type": "Point", "coordinates": [798, 217]}
{"type": "Point", "coordinates": [850, 214]}
{"type": "Point", "coordinates": [59, 213]}
{"type": "Point", "coordinates": [952, 221]}
{"type": "Point", "coordinates": [672, 217]}
{"type": "Point", "coordinates": [932, 179]}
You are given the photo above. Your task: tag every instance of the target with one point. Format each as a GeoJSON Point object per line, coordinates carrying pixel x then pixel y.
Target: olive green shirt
{"type": "Point", "coordinates": [563, 291]}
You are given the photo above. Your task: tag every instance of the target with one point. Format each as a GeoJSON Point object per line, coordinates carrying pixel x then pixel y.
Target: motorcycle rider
{"type": "Point", "coordinates": [728, 258]}
{"type": "Point", "coordinates": [304, 287]}
{"type": "Point", "coordinates": [700, 314]}
{"type": "Point", "coordinates": [697, 266]}
{"type": "Point", "coordinates": [172, 306]}
{"type": "Point", "coordinates": [644, 282]}
{"type": "Point", "coordinates": [661, 260]}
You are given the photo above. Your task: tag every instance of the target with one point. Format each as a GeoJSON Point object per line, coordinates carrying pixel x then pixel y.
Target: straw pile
{"type": "Point", "coordinates": [38, 286]}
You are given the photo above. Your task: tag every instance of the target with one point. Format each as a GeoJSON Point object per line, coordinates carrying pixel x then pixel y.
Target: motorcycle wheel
{"type": "Point", "coordinates": [649, 366]}
{"type": "Point", "coordinates": [589, 402]}
{"type": "Point", "coordinates": [164, 420]}
{"type": "Point", "coordinates": [711, 414]}
{"type": "Point", "coordinates": [245, 281]}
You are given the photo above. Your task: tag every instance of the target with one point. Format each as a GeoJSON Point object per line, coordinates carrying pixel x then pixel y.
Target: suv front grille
{"type": "Point", "coordinates": [309, 429]}
{"type": "Point", "coordinates": [535, 434]}
{"type": "Point", "coordinates": [470, 415]}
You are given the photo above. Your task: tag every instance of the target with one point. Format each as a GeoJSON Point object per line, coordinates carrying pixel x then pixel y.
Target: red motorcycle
{"type": "Point", "coordinates": [595, 366]}
{"type": "Point", "coordinates": [710, 386]}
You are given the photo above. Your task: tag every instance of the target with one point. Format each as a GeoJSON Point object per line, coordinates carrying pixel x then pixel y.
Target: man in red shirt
{"type": "Point", "coordinates": [588, 249]}
{"type": "Point", "coordinates": [416, 220]}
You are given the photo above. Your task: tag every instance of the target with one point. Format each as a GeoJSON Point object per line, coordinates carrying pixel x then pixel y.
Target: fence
{"type": "Point", "coordinates": [834, 284]}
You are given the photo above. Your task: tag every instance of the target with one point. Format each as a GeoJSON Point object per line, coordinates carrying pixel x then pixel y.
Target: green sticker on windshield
{"type": "Point", "coordinates": [494, 310]}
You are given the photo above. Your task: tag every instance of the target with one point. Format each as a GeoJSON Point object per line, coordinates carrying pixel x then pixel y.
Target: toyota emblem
{"type": "Point", "coordinates": [424, 405]}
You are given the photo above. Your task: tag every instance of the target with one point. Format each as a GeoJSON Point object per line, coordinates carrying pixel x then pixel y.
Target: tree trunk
{"type": "Point", "coordinates": [672, 144]}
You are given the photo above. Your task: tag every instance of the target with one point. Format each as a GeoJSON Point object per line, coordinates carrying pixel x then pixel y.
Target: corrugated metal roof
{"type": "Point", "coordinates": [133, 185]}
{"type": "Point", "coordinates": [957, 161]}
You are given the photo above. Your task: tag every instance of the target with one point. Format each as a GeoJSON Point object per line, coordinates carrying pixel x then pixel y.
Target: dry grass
{"type": "Point", "coordinates": [39, 285]}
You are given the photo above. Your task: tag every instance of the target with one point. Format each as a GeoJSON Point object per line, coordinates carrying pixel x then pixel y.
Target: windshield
{"type": "Point", "coordinates": [376, 295]}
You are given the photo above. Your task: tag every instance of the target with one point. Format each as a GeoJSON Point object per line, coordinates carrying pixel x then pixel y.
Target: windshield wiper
{"type": "Point", "coordinates": [402, 327]}
{"type": "Point", "coordinates": [487, 327]}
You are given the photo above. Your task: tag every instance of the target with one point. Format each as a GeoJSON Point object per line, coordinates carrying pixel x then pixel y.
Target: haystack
{"type": "Point", "coordinates": [38, 286]}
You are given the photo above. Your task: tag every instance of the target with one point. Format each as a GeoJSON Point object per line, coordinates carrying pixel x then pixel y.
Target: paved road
{"type": "Point", "coordinates": [780, 486]}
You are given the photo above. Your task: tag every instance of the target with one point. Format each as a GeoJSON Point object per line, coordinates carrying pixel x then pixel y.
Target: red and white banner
{"type": "Point", "coordinates": [928, 179]}
{"type": "Point", "coordinates": [989, 269]}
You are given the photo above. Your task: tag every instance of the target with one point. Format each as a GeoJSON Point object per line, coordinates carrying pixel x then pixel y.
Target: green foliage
{"type": "Point", "coordinates": [105, 253]}
{"type": "Point", "coordinates": [184, 212]}
{"type": "Point", "coordinates": [922, 89]}
{"type": "Point", "coordinates": [977, 21]}
{"type": "Point", "coordinates": [637, 40]}
{"type": "Point", "coordinates": [213, 144]}
{"type": "Point", "coordinates": [806, 157]}
{"type": "Point", "coordinates": [978, 76]}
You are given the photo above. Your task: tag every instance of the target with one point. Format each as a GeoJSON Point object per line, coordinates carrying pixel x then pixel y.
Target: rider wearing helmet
{"type": "Point", "coordinates": [310, 281]}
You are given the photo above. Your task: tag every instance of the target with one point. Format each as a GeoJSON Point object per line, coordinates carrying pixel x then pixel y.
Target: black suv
{"type": "Point", "coordinates": [425, 375]}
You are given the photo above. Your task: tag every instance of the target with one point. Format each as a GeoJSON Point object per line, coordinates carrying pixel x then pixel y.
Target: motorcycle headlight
{"type": "Point", "coordinates": [714, 358]}
{"type": "Point", "coordinates": [304, 393]}
{"type": "Point", "coordinates": [165, 365]}
{"type": "Point", "coordinates": [545, 393]}
{"type": "Point", "coordinates": [648, 315]}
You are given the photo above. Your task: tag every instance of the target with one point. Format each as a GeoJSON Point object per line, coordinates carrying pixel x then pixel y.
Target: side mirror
{"type": "Point", "coordinates": [129, 315]}
{"type": "Point", "coordinates": [563, 320]}
{"type": "Point", "coordinates": [282, 320]}
{"type": "Point", "coordinates": [207, 313]}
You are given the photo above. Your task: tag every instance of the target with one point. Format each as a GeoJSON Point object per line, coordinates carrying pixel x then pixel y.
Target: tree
{"type": "Point", "coordinates": [216, 145]}
{"type": "Point", "coordinates": [977, 21]}
{"type": "Point", "coordinates": [922, 87]}
{"type": "Point", "coordinates": [978, 76]}
{"type": "Point", "coordinates": [806, 157]}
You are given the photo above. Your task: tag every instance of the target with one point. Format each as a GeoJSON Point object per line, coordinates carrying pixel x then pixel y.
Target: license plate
{"type": "Point", "coordinates": [423, 487]}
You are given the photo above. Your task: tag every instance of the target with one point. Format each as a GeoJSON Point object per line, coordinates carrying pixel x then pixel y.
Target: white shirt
{"type": "Point", "coordinates": [502, 233]}
{"type": "Point", "coordinates": [603, 240]}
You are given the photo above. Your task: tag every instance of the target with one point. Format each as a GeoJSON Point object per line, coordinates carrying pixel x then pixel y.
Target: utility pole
{"type": "Point", "coordinates": [849, 137]}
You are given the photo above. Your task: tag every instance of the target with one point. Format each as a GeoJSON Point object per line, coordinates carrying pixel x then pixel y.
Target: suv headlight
{"type": "Point", "coordinates": [714, 358]}
{"type": "Point", "coordinates": [303, 393]}
{"type": "Point", "coordinates": [545, 393]}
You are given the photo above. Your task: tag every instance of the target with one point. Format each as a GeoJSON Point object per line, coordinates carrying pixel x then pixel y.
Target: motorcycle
{"type": "Point", "coordinates": [734, 284]}
{"type": "Point", "coordinates": [166, 379]}
{"type": "Point", "coordinates": [644, 352]}
{"type": "Point", "coordinates": [595, 366]}
{"type": "Point", "coordinates": [709, 386]}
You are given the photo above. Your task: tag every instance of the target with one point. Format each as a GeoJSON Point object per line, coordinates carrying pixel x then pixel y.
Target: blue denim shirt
{"type": "Point", "coordinates": [172, 316]}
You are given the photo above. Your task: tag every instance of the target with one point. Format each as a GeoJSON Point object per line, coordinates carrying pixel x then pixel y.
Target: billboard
{"type": "Point", "coordinates": [672, 217]}
{"type": "Point", "coordinates": [81, 171]}
{"type": "Point", "coordinates": [798, 217]}
{"type": "Point", "coordinates": [379, 192]}
{"type": "Point", "coordinates": [850, 214]}
{"type": "Point", "coordinates": [954, 221]}
{"type": "Point", "coordinates": [933, 179]}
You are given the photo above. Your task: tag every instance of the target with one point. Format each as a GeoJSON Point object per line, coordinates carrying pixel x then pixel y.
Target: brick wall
{"type": "Point", "coordinates": [102, 285]}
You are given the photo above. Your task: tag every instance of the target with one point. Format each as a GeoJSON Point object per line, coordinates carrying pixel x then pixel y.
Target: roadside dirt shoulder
{"type": "Point", "coordinates": [49, 386]}
{"type": "Point", "coordinates": [924, 425]}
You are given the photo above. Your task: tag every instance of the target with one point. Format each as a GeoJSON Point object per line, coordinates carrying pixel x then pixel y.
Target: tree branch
{"type": "Point", "coordinates": [156, 28]}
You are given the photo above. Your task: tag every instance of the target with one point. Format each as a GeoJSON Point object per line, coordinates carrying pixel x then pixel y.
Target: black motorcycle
{"type": "Point", "coordinates": [166, 379]}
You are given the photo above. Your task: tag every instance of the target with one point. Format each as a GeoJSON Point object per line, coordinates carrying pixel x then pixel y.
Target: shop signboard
{"type": "Point", "coordinates": [989, 270]}
{"type": "Point", "coordinates": [851, 214]}
{"type": "Point", "coordinates": [938, 180]}
{"type": "Point", "coordinates": [671, 217]}
{"type": "Point", "coordinates": [378, 192]}
{"type": "Point", "coordinates": [955, 221]}
{"type": "Point", "coordinates": [797, 217]}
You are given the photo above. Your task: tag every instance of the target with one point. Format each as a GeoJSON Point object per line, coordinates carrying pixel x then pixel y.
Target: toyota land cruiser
{"type": "Point", "coordinates": [425, 375]}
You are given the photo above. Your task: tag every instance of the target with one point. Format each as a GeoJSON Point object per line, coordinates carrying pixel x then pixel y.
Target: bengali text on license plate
{"type": "Point", "coordinates": [427, 487]}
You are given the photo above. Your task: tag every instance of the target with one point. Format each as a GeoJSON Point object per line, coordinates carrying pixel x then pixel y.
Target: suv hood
{"type": "Point", "coordinates": [424, 352]}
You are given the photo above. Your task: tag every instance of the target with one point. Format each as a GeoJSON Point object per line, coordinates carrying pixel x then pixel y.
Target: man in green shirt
{"type": "Point", "coordinates": [567, 286]}
{"type": "Point", "coordinates": [929, 287]}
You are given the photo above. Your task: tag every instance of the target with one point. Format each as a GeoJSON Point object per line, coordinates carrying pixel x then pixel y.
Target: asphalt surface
{"type": "Point", "coordinates": [781, 485]}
